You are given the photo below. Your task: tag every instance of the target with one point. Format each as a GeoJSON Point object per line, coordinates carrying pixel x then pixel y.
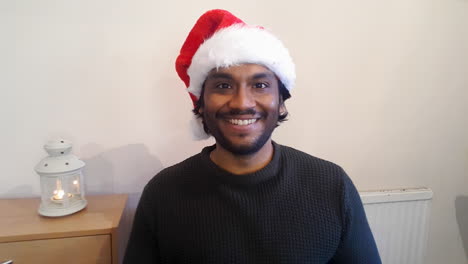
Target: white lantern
{"type": "Point", "coordinates": [61, 180]}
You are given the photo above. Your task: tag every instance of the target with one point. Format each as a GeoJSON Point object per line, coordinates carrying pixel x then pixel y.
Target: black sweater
{"type": "Point", "coordinates": [298, 209]}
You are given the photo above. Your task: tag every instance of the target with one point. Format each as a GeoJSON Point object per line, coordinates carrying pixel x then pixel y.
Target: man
{"type": "Point", "coordinates": [246, 199]}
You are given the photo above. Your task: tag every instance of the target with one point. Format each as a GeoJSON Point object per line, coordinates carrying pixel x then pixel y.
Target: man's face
{"type": "Point", "coordinates": [241, 107]}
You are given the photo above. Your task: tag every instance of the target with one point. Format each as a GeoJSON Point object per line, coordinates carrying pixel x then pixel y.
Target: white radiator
{"type": "Point", "coordinates": [399, 220]}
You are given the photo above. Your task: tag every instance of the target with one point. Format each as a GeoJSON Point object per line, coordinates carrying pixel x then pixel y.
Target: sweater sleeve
{"type": "Point", "coordinates": [142, 245]}
{"type": "Point", "coordinates": [357, 242]}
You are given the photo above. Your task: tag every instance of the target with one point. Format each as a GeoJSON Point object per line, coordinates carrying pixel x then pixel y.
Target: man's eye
{"type": "Point", "coordinates": [223, 86]}
{"type": "Point", "coordinates": [260, 85]}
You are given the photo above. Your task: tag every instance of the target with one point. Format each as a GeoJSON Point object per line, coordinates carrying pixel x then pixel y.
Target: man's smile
{"type": "Point", "coordinates": [242, 122]}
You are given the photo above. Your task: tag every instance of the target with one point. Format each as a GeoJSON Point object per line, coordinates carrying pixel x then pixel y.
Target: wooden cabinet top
{"type": "Point", "coordinates": [20, 221]}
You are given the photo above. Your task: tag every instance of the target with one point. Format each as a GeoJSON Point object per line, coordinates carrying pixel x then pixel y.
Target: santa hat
{"type": "Point", "coordinates": [219, 40]}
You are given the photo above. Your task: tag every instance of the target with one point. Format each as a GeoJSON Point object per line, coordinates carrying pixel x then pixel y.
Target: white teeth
{"type": "Point", "coordinates": [242, 122]}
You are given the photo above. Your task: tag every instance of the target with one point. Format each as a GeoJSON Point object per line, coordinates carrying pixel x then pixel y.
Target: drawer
{"type": "Point", "coordinates": [79, 250]}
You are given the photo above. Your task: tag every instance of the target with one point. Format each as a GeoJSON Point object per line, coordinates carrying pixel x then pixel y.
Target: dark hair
{"type": "Point", "coordinates": [283, 96]}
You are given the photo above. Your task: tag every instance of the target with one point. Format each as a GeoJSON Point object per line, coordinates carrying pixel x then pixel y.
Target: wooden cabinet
{"type": "Point", "coordinates": [89, 236]}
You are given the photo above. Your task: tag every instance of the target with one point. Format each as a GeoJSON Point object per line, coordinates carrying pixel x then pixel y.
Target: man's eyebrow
{"type": "Point", "coordinates": [219, 75]}
{"type": "Point", "coordinates": [263, 75]}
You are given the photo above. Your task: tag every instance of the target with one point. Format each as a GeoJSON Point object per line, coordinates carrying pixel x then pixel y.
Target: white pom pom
{"type": "Point", "coordinates": [196, 126]}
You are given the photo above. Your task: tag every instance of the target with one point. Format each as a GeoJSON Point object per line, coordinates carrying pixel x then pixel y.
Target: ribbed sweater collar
{"type": "Point", "coordinates": [267, 172]}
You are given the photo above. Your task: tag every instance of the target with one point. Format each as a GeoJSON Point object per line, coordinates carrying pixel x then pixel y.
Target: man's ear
{"type": "Point", "coordinates": [282, 109]}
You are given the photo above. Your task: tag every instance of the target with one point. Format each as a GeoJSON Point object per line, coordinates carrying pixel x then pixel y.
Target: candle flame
{"type": "Point", "coordinates": [59, 195]}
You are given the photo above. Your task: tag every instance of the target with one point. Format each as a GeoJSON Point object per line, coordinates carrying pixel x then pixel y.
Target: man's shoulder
{"type": "Point", "coordinates": [298, 157]}
{"type": "Point", "coordinates": [313, 171]}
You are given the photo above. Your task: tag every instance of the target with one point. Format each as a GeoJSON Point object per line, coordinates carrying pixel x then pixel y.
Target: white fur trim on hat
{"type": "Point", "coordinates": [240, 44]}
{"type": "Point", "coordinates": [196, 126]}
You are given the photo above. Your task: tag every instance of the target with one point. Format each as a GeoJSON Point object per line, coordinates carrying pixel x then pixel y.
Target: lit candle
{"type": "Point", "coordinates": [58, 194]}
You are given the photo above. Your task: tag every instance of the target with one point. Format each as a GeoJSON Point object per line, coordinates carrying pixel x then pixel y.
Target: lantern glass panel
{"type": "Point", "coordinates": [61, 191]}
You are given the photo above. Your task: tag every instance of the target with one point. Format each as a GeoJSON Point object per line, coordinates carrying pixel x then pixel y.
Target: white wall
{"type": "Point", "coordinates": [382, 90]}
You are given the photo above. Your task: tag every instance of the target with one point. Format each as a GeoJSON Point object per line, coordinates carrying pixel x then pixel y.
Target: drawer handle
{"type": "Point", "coordinates": [7, 262]}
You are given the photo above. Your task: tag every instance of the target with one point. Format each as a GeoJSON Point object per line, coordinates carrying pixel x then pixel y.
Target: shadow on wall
{"type": "Point", "coordinates": [461, 210]}
{"type": "Point", "coordinates": [126, 169]}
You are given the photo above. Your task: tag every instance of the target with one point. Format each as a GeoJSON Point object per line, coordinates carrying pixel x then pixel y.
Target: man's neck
{"type": "Point", "coordinates": [242, 164]}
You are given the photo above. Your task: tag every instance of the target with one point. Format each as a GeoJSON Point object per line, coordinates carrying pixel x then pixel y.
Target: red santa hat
{"type": "Point", "coordinates": [219, 40]}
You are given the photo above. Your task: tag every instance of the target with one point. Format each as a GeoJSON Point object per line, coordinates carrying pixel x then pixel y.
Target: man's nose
{"type": "Point", "coordinates": [242, 98]}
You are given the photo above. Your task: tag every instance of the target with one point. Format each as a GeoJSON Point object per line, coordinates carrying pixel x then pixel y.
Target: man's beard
{"type": "Point", "coordinates": [245, 149]}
